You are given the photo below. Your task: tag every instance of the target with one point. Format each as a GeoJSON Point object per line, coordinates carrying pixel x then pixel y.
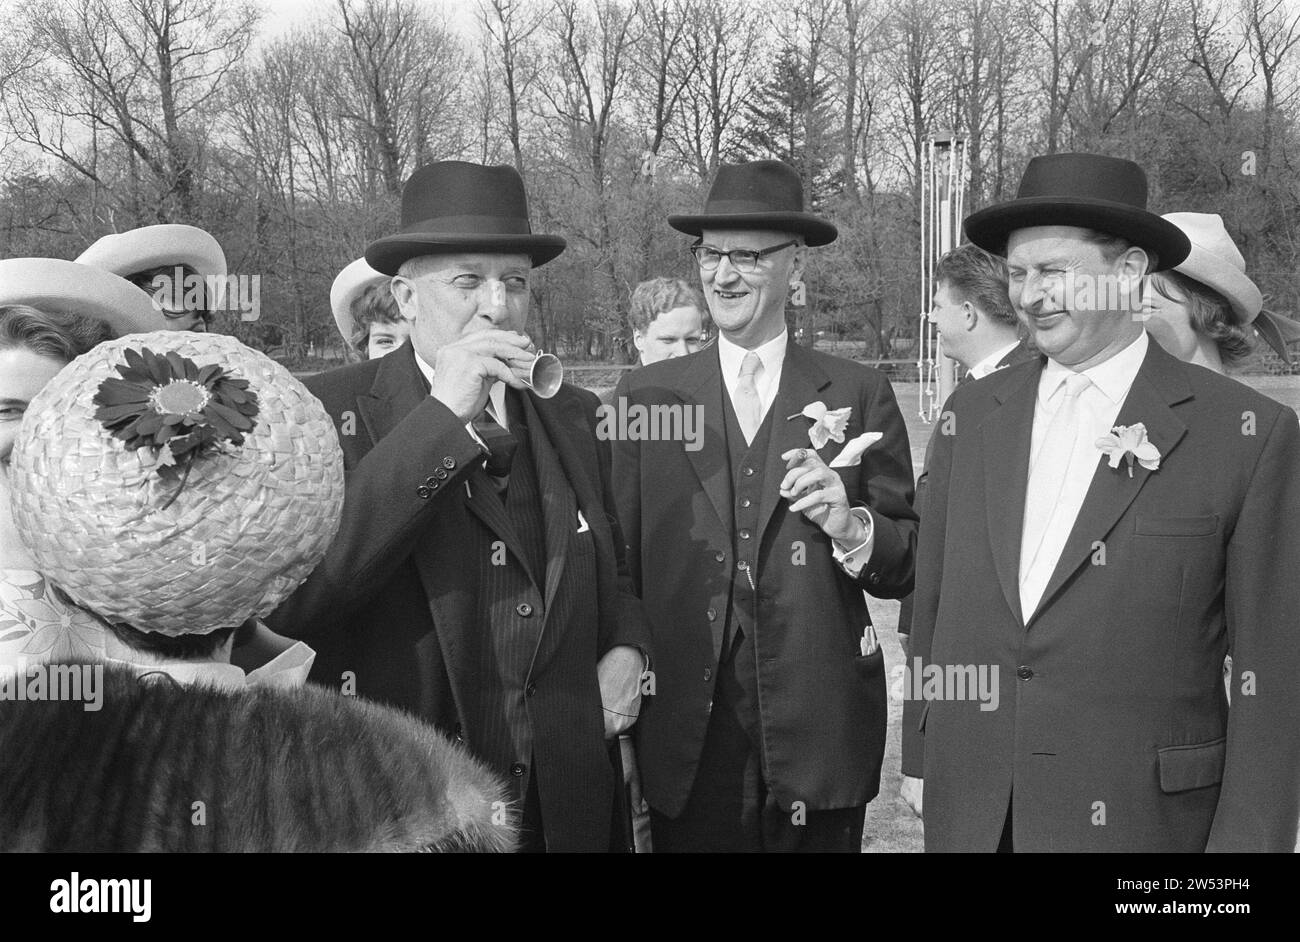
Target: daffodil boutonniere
{"type": "Point", "coordinates": [1129, 443]}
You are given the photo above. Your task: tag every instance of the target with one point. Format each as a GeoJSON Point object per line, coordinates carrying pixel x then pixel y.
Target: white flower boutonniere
{"type": "Point", "coordinates": [828, 424]}
{"type": "Point", "coordinates": [1129, 443]}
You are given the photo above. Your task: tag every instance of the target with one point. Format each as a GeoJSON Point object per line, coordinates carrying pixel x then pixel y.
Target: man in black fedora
{"type": "Point", "coordinates": [752, 548]}
{"type": "Point", "coordinates": [1100, 529]}
{"type": "Point", "coordinates": [477, 579]}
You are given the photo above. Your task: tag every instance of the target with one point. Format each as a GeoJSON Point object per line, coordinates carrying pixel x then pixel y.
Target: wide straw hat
{"type": "Point", "coordinates": [761, 194]}
{"type": "Point", "coordinates": [1088, 191]}
{"type": "Point", "coordinates": [349, 285]}
{"type": "Point", "coordinates": [217, 523]}
{"type": "Point", "coordinates": [455, 206]}
{"type": "Point", "coordinates": [1216, 262]}
{"type": "Point", "coordinates": [138, 250]}
{"type": "Point", "coordinates": [57, 286]}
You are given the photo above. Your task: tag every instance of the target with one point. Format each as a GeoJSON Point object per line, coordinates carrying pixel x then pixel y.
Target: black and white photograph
{"type": "Point", "coordinates": [651, 427]}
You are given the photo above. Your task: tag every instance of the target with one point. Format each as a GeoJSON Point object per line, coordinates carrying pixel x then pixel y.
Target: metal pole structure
{"type": "Point", "coordinates": [944, 175]}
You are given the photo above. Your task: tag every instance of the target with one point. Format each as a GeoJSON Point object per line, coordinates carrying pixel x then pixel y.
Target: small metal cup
{"type": "Point", "coordinates": [545, 375]}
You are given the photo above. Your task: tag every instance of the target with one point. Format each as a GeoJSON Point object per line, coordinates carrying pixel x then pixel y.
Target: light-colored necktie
{"type": "Point", "coordinates": [749, 408]}
{"type": "Point", "coordinates": [1042, 539]}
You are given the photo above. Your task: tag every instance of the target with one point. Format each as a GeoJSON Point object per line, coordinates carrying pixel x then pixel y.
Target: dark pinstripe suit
{"type": "Point", "coordinates": [409, 599]}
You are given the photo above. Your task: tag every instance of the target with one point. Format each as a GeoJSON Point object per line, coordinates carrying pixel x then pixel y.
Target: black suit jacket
{"type": "Point", "coordinates": [822, 709]}
{"type": "Point", "coordinates": [1020, 353]}
{"type": "Point", "coordinates": [1112, 731]}
{"type": "Point", "coordinates": [394, 602]}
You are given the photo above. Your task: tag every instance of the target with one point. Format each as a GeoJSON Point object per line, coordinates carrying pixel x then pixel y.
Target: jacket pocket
{"type": "Point", "coordinates": [1151, 525]}
{"type": "Point", "coordinates": [1195, 766]}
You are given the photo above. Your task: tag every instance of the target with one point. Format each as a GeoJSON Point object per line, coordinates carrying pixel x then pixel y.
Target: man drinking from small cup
{"type": "Point", "coordinates": [477, 580]}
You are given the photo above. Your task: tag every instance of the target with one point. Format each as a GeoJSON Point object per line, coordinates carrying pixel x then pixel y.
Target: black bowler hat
{"type": "Point", "coordinates": [454, 206]}
{"type": "Point", "coordinates": [763, 194]}
{"type": "Point", "coordinates": [1085, 190]}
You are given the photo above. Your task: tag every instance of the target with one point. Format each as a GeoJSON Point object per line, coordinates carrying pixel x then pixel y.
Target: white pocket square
{"type": "Point", "coordinates": [851, 454]}
{"type": "Point", "coordinates": [582, 523]}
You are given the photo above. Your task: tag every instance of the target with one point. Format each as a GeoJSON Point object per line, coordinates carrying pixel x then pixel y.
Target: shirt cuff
{"type": "Point", "coordinates": [852, 560]}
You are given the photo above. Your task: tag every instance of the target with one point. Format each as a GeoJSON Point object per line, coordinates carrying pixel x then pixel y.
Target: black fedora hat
{"type": "Point", "coordinates": [763, 194]}
{"type": "Point", "coordinates": [1090, 191]}
{"type": "Point", "coordinates": [454, 206]}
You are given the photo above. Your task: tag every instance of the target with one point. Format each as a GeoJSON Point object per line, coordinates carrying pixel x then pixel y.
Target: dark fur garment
{"type": "Point", "coordinates": [276, 770]}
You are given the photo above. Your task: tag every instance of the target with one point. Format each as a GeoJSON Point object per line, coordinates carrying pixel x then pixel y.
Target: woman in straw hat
{"type": "Point", "coordinates": [179, 485]}
{"type": "Point", "coordinates": [366, 313]}
{"type": "Point", "coordinates": [51, 311]}
{"type": "Point", "coordinates": [1206, 309]}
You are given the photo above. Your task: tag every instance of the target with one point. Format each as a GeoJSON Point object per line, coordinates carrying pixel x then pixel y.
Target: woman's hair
{"type": "Point", "coordinates": [654, 297]}
{"type": "Point", "coordinates": [1209, 312]}
{"type": "Point", "coordinates": [375, 305]}
{"type": "Point", "coordinates": [177, 648]}
{"type": "Point", "coordinates": [59, 336]}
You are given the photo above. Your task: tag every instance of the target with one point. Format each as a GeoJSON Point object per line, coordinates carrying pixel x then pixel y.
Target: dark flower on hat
{"type": "Point", "coordinates": [171, 404]}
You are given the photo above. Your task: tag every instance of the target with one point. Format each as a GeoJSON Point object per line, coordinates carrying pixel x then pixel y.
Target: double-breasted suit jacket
{"type": "Point", "coordinates": [431, 601]}
{"type": "Point", "coordinates": [1112, 730]}
{"type": "Point", "coordinates": [821, 703]}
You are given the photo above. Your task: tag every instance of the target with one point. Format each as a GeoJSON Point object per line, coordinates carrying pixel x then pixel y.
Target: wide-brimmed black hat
{"type": "Point", "coordinates": [1085, 190]}
{"type": "Point", "coordinates": [454, 206]}
{"type": "Point", "coordinates": [763, 194]}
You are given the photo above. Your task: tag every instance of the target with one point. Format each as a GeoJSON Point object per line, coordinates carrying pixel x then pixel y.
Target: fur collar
{"type": "Point", "coordinates": [275, 770]}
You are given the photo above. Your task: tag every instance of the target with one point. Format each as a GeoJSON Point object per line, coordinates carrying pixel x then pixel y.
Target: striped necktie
{"type": "Point", "coordinates": [501, 449]}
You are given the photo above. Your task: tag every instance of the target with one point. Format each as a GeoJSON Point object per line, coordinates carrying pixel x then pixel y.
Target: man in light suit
{"type": "Point", "coordinates": [477, 579]}
{"type": "Point", "coordinates": [1102, 575]}
{"type": "Point", "coordinates": [767, 725]}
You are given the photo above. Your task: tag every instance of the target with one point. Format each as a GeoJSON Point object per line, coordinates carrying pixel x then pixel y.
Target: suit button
{"type": "Point", "coordinates": [530, 690]}
{"type": "Point", "coordinates": [874, 578]}
{"type": "Point", "coordinates": [747, 472]}
{"type": "Point", "coordinates": [449, 463]}
{"type": "Point", "coordinates": [712, 613]}
{"type": "Point", "coordinates": [708, 674]}
{"type": "Point", "coordinates": [744, 534]}
{"type": "Point", "coordinates": [518, 769]}
{"type": "Point", "coordinates": [1024, 673]}
{"type": "Point", "coordinates": [430, 481]}
{"type": "Point", "coordinates": [524, 609]}
{"type": "Point", "coordinates": [423, 492]}
{"type": "Point", "coordinates": [745, 502]}
{"type": "Point", "coordinates": [441, 474]}
{"type": "Point", "coordinates": [720, 556]}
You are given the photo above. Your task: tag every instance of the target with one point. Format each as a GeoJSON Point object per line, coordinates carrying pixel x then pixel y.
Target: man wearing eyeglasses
{"type": "Point", "coordinates": [180, 267]}
{"type": "Point", "coordinates": [766, 728]}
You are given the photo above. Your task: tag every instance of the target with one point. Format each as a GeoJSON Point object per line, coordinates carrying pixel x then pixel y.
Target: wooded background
{"type": "Point", "coordinates": [292, 148]}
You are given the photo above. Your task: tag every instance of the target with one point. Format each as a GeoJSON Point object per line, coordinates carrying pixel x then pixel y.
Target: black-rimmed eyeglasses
{"type": "Point", "coordinates": [743, 260]}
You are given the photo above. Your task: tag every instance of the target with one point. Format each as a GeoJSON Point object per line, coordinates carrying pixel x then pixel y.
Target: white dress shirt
{"type": "Point", "coordinates": [990, 363]}
{"type": "Point", "coordinates": [1099, 405]}
{"type": "Point", "coordinates": [767, 380]}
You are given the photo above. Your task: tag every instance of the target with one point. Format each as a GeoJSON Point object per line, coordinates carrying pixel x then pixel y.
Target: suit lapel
{"type": "Point", "coordinates": [802, 382]}
{"type": "Point", "coordinates": [398, 388]}
{"type": "Point", "coordinates": [1159, 385]}
{"type": "Point", "coordinates": [550, 442]}
{"type": "Point", "coordinates": [711, 462]}
{"type": "Point", "coordinates": [1005, 440]}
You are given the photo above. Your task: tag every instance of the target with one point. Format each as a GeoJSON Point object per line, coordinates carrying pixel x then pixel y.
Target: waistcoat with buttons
{"type": "Point", "coordinates": [747, 483]}
{"type": "Point", "coordinates": [510, 612]}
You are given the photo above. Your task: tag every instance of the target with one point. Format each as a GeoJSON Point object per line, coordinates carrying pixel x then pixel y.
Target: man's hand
{"type": "Point", "coordinates": [910, 792]}
{"type": "Point", "coordinates": [817, 491]}
{"type": "Point", "coordinates": [464, 371]}
{"type": "Point", "coordinates": [619, 673]}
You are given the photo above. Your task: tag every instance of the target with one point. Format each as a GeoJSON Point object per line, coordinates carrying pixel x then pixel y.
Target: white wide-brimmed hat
{"type": "Point", "coordinates": [349, 285]}
{"type": "Point", "coordinates": [137, 250]}
{"type": "Point", "coordinates": [1216, 262]}
{"type": "Point", "coordinates": [176, 482]}
{"type": "Point", "coordinates": [57, 286]}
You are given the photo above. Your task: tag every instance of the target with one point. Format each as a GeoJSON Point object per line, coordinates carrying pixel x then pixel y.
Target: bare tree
{"type": "Point", "coordinates": [509, 27]}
